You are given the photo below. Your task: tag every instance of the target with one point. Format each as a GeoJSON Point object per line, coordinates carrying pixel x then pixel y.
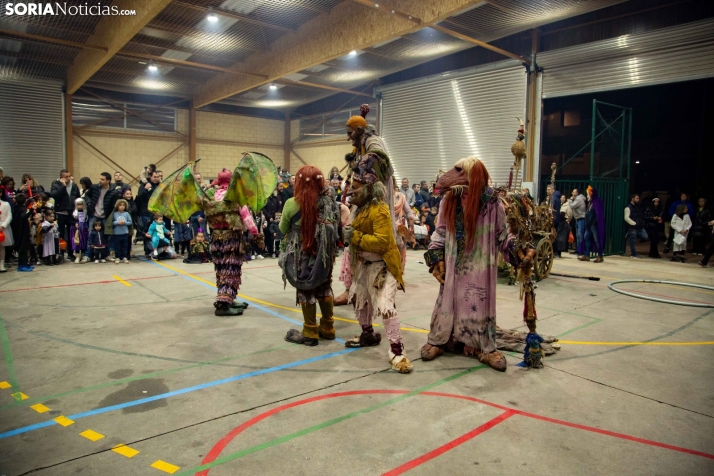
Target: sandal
{"type": "Point", "coordinates": [494, 359]}
{"type": "Point", "coordinates": [430, 352]}
{"type": "Point", "coordinates": [294, 336]}
{"type": "Point", "coordinates": [364, 340]}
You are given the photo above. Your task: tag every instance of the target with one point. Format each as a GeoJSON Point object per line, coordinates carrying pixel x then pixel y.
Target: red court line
{"type": "Point", "coordinates": [508, 412]}
{"type": "Point", "coordinates": [450, 445]}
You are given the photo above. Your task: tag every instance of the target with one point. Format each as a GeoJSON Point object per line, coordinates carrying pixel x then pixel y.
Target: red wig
{"type": "Point", "coordinates": [475, 174]}
{"type": "Point", "coordinates": [309, 185]}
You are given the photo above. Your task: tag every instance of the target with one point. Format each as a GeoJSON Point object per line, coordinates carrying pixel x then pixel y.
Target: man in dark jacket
{"type": "Point", "coordinates": [100, 199]}
{"type": "Point", "coordinates": [288, 192]}
{"type": "Point", "coordinates": [65, 192]}
{"type": "Point", "coordinates": [272, 206]}
{"type": "Point", "coordinates": [142, 206]}
{"type": "Point", "coordinates": [119, 184]}
{"type": "Point", "coordinates": [635, 224]}
{"type": "Point", "coordinates": [424, 192]}
{"type": "Point", "coordinates": [653, 223]}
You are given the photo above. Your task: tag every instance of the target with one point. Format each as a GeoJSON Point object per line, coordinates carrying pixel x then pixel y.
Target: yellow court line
{"type": "Point", "coordinates": [4, 385]}
{"type": "Point", "coordinates": [577, 342]}
{"type": "Point", "coordinates": [91, 435]}
{"type": "Point", "coordinates": [125, 283]}
{"type": "Point", "coordinates": [165, 467]}
{"type": "Point", "coordinates": [39, 408]}
{"type": "Point", "coordinates": [19, 396]}
{"type": "Point", "coordinates": [63, 420]}
{"type": "Point", "coordinates": [124, 450]}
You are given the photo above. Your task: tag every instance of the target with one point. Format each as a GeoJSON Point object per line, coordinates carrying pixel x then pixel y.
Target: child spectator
{"type": "Point", "coordinates": [183, 234]}
{"type": "Point", "coordinates": [275, 236]}
{"type": "Point", "coordinates": [50, 236]}
{"type": "Point", "coordinates": [98, 243]}
{"type": "Point", "coordinates": [121, 223]}
{"type": "Point", "coordinates": [36, 236]}
{"type": "Point", "coordinates": [79, 231]}
{"type": "Point", "coordinates": [200, 251]}
{"type": "Point", "coordinates": [158, 234]}
{"type": "Point", "coordinates": [5, 228]}
{"type": "Point", "coordinates": [21, 232]}
{"type": "Point", "coordinates": [133, 212]}
{"type": "Point", "coordinates": [681, 223]}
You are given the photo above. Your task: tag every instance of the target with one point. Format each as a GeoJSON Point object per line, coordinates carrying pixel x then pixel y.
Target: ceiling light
{"type": "Point", "coordinates": [153, 68]}
{"type": "Point", "coordinates": [273, 87]}
{"type": "Point", "coordinates": [410, 17]}
{"type": "Point", "coordinates": [392, 11]}
{"type": "Point", "coordinates": [376, 5]}
{"type": "Point", "coordinates": [212, 17]}
{"type": "Point", "coordinates": [353, 53]}
{"type": "Point", "coordinates": [142, 62]}
{"type": "Point", "coordinates": [637, 161]}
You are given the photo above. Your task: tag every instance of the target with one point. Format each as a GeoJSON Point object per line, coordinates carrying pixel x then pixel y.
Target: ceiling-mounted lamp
{"type": "Point", "coordinates": [153, 68]}
{"type": "Point", "coordinates": [353, 53]}
{"type": "Point", "coordinates": [392, 12]}
{"type": "Point", "coordinates": [142, 62]}
{"type": "Point", "coordinates": [273, 87]}
{"type": "Point", "coordinates": [376, 5]}
{"type": "Point", "coordinates": [212, 17]}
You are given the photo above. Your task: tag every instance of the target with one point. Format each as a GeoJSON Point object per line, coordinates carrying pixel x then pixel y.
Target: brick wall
{"type": "Point", "coordinates": [135, 152]}
{"type": "Point", "coordinates": [323, 156]}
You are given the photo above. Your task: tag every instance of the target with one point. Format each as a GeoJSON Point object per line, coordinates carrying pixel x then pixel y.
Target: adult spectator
{"type": "Point", "coordinates": [577, 206]}
{"type": "Point", "coordinates": [161, 175]}
{"type": "Point", "coordinates": [119, 184]}
{"type": "Point", "coordinates": [707, 256]}
{"type": "Point", "coordinates": [562, 229]}
{"type": "Point", "coordinates": [635, 224]}
{"type": "Point", "coordinates": [653, 223]}
{"type": "Point", "coordinates": [408, 192]}
{"type": "Point", "coordinates": [336, 184]}
{"type": "Point", "coordinates": [594, 228]}
{"type": "Point", "coordinates": [272, 206]}
{"type": "Point", "coordinates": [335, 174]}
{"type": "Point", "coordinates": [34, 187]}
{"type": "Point", "coordinates": [8, 184]}
{"type": "Point", "coordinates": [700, 228]}
{"type": "Point", "coordinates": [142, 206]}
{"type": "Point", "coordinates": [288, 191]}
{"type": "Point", "coordinates": [683, 200]}
{"type": "Point", "coordinates": [65, 192]}
{"type": "Point", "coordinates": [100, 199]}
{"type": "Point", "coordinates": [418, 201]}
{"type": "Point", "coordinates": [84, 185]}
{"type": "Point", "coordinates": [199, 180]}
{"type": "Point", "coordinates": [424, 191]}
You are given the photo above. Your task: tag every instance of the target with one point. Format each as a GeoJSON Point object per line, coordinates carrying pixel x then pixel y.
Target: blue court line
{"type": "Point", "coordinates": [133, 403]}
{"type": "Point", "coordinates": [252, 304]}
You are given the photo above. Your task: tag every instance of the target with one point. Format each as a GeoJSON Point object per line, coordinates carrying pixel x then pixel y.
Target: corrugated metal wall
{"type": "Point", "coordinates": [679, 53]}
{"type": "Point", "coordinates": [430, 124]}
{"type": "Point", "coordinates": [32, 130]}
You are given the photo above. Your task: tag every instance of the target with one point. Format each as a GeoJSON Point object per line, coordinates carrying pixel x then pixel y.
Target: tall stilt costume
{"type": "Point", "coordinates": [310, 221]}
{"type": "Point", "coordinates": [375, 257]}
{"type": "Point", "coordinates": [463, 256]}
{"type": "Point", "coordinates": [226, 209]}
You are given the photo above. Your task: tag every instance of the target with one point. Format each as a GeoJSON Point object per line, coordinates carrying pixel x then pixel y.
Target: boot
{"type": "Point", "coordinates": [398, 359]}
{"type": "Point", "coordinates": [327, 322]}
{"type": "Point", "coordinates": [225, 310]}
{"type": "Point", "coordinates": [239, 305]}
{"type": "Point", "coordinates": [295, 336]}
{"type": "Point", "coordinates": [430, 352]}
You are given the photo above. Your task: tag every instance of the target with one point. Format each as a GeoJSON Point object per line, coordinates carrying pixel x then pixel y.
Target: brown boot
{"type": "Point", "coordinates": [599, 259]}
{"type": "Point", "coordinates": [365, 340]}
{"type": "Point", "coordinates": [430, 352]}
{"type": "Point", "coordinates": [583, 258]}
{"type": "Point", "coordinates": [342, 299]}
{"type": "Point", "coordinates": [327, 328]}
{"type": "Point", "coordinates": [494, 359]}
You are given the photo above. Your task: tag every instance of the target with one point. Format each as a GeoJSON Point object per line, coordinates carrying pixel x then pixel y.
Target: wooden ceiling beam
{"type": "Point", "coordinates": [321, 86]}
{"type": "Point", "coordinates": [188, 64]}
{"type": "Point", "coordinates": [347, 27]}
{"type": "Point", "coordinates": [45, 39]}
{"type": "Point", "coordinates": [482, 44]}
{"type": "Point", "coordinates": [112, 32]}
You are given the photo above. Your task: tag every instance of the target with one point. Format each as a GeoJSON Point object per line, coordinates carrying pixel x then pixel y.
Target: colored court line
{"type": "Point", "coordinates": [7, 353]}
{"type": "Point", "coordinates": [132, 403]}
{"type": "Point", "coordinates": [39, 408]}
{"type": "Point", "coordinates": [132, 379]}
{"type": "Point", "coordinates": [121, 280]}
{"type": "Point", "coordinates": [125, 450]}
{"type": "Point", "coordinates": [91, 435]}
{"type": "Point", "coordinates": [19, 396]}
{"type": "Point", "coordinates": [4, 385]}
{"type": "Point", "coordinates": [61, 420]}
{"type": "Point", "coordinates": [577, 342]}
{"type": "Point", "coordinates": [165, 467]}
{"type": "Point", "coordinates": [450, 445]}
{"type": "Point", "coordinates": [211, 459]}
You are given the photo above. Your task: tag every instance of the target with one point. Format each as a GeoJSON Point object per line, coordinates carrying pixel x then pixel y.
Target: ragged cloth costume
{"type": "Point", "coordinates": [375, 256]}
{"type": "Point", "coordinates": [464, 317]}
{"type": "Point", "coordinates": [227, 211]}
{"type": "Point", "coordinates": [307, 264]}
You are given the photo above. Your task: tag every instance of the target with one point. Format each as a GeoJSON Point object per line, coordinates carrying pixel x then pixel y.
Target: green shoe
{"type": "Point", "coordinates": [228, 311]}
{"type": "Point", "coordinates": [239, 305]}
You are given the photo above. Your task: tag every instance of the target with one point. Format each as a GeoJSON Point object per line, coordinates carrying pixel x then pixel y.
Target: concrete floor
{"type": "Point", "coordinates": [134, 353]}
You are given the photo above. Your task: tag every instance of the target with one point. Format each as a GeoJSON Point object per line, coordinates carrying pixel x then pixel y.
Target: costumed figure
{"type": "Point", "coordinates": [375, 258]}
{"type": "Point", "coordinates": [594, 228]}
{"type": "Point", "coordinates": [463, 256]}
{"type": "Point", "coordinates": [366, 144]}
{"type": "Point", "coordinates": [310, 221]}
{"type": "Point", "coordinates": [226, 209]}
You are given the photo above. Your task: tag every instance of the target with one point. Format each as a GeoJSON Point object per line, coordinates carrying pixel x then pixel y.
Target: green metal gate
{"type": "Point", "coordinates": [609, 146]}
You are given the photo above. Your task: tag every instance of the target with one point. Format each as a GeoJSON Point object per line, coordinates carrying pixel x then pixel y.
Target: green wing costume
{"type": "Point", "coordinates": [253, 181]}
{"type": "Point", "coordinates": [179, 196]}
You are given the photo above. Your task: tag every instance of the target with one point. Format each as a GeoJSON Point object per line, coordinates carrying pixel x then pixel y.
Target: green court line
{"type": "Point", "coordinates": [320, 426]}
{"type": "Point", "coordinates": [9, 361]}
{"type": "Point", "coordinates": [138, 377]}
{"type": "Point", "coordinates": [595, 320]}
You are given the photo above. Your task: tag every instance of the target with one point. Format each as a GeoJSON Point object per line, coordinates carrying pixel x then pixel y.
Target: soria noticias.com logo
{"type": "Point", "coordinates": [63, 8]}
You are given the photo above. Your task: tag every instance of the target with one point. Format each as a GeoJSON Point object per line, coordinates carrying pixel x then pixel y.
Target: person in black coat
{"type": "Point", "coordinates": [700, 227]}
{"type": "Point", "coordinates": [142, 206]}
{"type": "Point", "coordinates": [64, 192]}
{"type": "Point", "coordinates": [108, 196]}
{"type": "Point", "coordinates": [272, 206]}
{"type": "Point", "coordinates": [653, 223]}
{"type": "Point", "coordinates": [21, 231]}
